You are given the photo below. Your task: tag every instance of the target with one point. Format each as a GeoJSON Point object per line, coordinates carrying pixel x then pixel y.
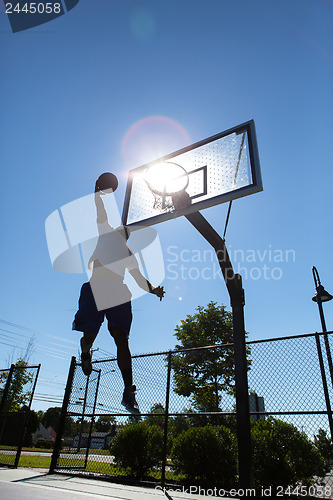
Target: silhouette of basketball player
{"type": "Point", "coordinates": [106, 295]}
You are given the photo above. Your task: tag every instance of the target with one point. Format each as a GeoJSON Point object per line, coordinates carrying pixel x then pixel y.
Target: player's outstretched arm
{"type": "Point", "coordinates": [146, 285]}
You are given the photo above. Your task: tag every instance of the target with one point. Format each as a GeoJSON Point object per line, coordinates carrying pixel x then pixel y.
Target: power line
{"type": "Point", "coordinates": [36, 331]}
{"type": "Point", "coordinates": [37, 345]}
{"type": "Point", "coordinates": [46, 351]}
{"type": "Point", "coordinates": [15, 333]}
{"type": "Point", "coordinates": [14, 345]}
{"type": "Point", "coordinates": [44, 400]}
{"type": "Point", "coordinates": [51, 349]}
{"type": "Point", "coordinates": [50, 381]}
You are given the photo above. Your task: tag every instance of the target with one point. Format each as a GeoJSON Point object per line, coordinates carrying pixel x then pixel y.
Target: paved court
{"type": "Point", "coordinates": [32, 484]}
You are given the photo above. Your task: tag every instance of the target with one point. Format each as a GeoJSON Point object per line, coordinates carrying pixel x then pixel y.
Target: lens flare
{"type": "Point", "coordinates": [151, 138]}
{"type": "Point", "coordinates": [166, 178]}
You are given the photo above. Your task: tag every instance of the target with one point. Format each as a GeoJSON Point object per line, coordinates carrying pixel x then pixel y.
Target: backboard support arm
{"type": "Point", "coordinates": [236, 292]}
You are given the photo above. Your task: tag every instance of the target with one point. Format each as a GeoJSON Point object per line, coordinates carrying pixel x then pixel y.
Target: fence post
{"type": "Point", "coordinates": [62, 421]}
{"type": "Point", "coordinates": [166, 418]}
{"type": "Point", "coordinates": [323, 376]}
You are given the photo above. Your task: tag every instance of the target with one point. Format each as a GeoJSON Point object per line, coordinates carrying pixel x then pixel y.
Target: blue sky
{"type": "Point", "coordinates": [72, 91]}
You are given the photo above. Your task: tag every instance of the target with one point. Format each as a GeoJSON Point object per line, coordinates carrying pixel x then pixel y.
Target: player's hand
{"type": "Point", "coordinates": [159, 291]}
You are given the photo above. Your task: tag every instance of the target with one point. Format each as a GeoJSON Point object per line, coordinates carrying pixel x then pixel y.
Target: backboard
{"type": "Point", "coordinates": [213, 171]}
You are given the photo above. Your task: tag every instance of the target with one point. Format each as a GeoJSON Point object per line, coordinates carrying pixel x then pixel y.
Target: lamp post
{"type": "Point", "coordinates": [320, 297]}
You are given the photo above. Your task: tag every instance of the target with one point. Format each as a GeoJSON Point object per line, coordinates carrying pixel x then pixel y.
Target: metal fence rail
{"type": "Point", "coordinates": [286, 380]}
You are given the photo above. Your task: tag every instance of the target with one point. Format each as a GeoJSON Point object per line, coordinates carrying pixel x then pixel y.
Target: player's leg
{"type": "Point", "coordinates": [124, 357]}
{"type": "Point", "coordinates": [119, 325]}
{"type": "Point", "coordinates": [124, 360]}
{"type": "Point", "coordinates": [87, 320]}
{"type": "Point", "coordinates": [86, 344]}
{"type": "Point", "coordinates": [87, 341]}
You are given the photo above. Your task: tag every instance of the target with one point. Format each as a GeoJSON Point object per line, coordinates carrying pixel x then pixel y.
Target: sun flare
{"type": "Point", "coordinates": [166, 178]}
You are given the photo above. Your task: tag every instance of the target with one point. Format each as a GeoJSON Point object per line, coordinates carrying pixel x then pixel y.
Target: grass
{"type": "Point", "coordinates": [92, 451]}
{"type": "Point", "coordinates": [38, 462]}
{"type": "Point", "coordinates": [26, 461]}
{"type": "Point", "coordinates": [41, 462]}
{"type": "Point", "coordinates": [93, 466]}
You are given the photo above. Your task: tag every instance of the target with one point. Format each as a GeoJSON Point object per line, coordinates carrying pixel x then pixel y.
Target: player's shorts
{"type": "Point", "coordinates": [89, 319]}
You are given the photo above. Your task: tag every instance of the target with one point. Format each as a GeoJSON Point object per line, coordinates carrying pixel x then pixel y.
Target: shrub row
{"type": "Point", "coordinates": [44, 443]}
{"type": "Point", "coordinates": [282, 455]}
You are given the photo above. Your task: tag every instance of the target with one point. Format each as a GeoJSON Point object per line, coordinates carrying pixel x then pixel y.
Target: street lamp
{"type": "Point", "coordinates": [323, 296]}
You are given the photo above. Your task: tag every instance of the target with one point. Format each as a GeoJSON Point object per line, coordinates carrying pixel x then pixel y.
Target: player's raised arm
{"type": "Point", "coordinates": [101, 212]}
{"type": "Point", "coordinates": [106, 183]}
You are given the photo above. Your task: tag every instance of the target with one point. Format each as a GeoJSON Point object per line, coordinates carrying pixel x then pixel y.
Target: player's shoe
{"type": "Point", "coordinates": [86, 363]}
{"type": "Point", "coordinates": [129, 400]}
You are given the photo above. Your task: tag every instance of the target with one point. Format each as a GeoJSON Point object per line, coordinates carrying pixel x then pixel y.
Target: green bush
{"type": "Point", "coordinates": [324, 445]}
{"type": "Point", "coordinates": [138, 448]}
{"type": "Point", "coordinates": [206, 456]}
{"type": "Point", "coordinates": [44, 443]}
{"type": "Point", "coordinates": [283, 456]}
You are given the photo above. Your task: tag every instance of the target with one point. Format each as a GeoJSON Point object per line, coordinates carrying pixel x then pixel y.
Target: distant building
{"type": "Point", "coordinates": [256, 404]}
{"type": "Point", "coordinates": [99, 440]}
{"type": "Point", "coordinates": [49, 434]}
{"type": "Point", "coordinates": [52, 432]}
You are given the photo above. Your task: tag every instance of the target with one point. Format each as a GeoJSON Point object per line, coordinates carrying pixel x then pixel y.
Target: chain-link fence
{"type": "Point", "coordinates": [17, 387]}
{"type": "Point", "coordinates": [289, 380]}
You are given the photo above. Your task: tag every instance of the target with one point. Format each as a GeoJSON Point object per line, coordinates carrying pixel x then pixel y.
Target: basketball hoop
{"type": "Point", "coordinates": [167, 178]}
{"type": "Point", "coordinates": [168, 182]}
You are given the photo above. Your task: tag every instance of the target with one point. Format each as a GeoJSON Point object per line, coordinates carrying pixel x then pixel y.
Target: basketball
{"type": "Point", "coordinates": [106, 182]}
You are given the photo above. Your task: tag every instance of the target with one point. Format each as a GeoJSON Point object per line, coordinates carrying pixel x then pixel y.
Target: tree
{"type": "Point", "coordinates": [105, 423]}
{"type": "Point", "coordinates": [40, 415]}
{"type": "Point", "coordinates": [204, 374]}
{"type": "Point", "coordinates": [32, 425]}
{"type": "Point", "coordinates": [156, 409]}
{"type": "Point", "coordinates": [325, 446]}
{"type": "Point", "coordinates": [51, 417]}
{"type": "Point", "coordinates": [134, 419]}
{"type": "Point", "coordinates": [179, 424]}
{"type": "Point", "coordinates": [18, 394]}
